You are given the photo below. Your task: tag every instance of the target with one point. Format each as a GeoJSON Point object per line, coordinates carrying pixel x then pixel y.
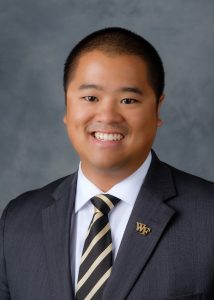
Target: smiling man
{"type": "Point", "coordinates": [125, 225]}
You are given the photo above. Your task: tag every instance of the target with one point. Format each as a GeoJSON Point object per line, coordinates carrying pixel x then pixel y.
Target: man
{"type": "Point", "coordinates": [161, 243]}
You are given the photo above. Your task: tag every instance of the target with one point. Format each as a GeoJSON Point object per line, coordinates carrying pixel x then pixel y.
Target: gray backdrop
{"type": "Point", "coordinates": [35, 38]}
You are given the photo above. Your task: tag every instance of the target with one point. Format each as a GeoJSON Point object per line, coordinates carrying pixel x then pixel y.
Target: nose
{"type": "Point", "coordinates": [108, 111]}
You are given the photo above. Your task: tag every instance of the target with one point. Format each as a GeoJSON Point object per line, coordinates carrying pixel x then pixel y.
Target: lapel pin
{"type": "Point", "coordinates": [143, 228]}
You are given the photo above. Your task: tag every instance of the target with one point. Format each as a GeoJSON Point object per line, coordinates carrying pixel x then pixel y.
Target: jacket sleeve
{"type": "Point", "coordinates": [4, 289]}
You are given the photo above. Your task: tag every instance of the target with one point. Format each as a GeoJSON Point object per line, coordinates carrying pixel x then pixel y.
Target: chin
{"type": "Point", "coordinates": [103, 164]}
{"type": "Point", "coordinates": [106, 166]}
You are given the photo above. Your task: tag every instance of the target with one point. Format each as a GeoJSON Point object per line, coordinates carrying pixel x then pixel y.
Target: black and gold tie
{"type": "Point", "coordinates": [96, 261]}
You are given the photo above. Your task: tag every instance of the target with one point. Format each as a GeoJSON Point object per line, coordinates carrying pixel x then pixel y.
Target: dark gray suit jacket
{"type": "Point", "coordinates": [174, 261]}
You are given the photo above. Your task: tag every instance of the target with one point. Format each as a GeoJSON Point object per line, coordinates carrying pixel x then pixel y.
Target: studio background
{"type": "Point", "coordinates": [36, 37]}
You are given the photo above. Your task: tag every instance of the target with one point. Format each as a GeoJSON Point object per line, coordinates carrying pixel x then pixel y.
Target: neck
{"type": "Point", "coordinates": [106, 179]}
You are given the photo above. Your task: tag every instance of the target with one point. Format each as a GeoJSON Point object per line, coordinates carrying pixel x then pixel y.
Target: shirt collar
{"type": "Point", "coordinates": [127, 189]}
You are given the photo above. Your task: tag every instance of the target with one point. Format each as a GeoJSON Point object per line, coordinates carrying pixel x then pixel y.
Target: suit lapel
{"type": "Point", "coordinates": [57, 220]}
{"type": "Point", "coordinates": [136, 249]}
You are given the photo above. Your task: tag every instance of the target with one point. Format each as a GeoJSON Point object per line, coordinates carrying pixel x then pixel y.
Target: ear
{"type": "Point", "coordinates": [161, 100]}
{"type": "Point", "coordinates": [65, 118]}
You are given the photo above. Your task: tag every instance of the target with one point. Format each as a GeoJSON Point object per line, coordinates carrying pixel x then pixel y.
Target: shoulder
{"type": "Point", "coordinates": [168, 177]}
{"type": "Point", "coordinates": [185, 189]}
{"type": "Point", "coordinates": [194, 195]}
{"type": "Point", "coordinates": [186, 182]}
{"type": "Point", "coordinates": [36, 199]}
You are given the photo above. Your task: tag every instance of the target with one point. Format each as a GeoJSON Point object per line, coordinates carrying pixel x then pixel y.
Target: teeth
{"type": "Point", "coordinates": [108, 137]}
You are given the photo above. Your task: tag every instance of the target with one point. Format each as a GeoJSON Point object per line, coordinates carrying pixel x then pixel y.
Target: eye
{"type": "Point", "coordinates": [128, 101]}
{"type": "Point", "coordinates": [90, 98]}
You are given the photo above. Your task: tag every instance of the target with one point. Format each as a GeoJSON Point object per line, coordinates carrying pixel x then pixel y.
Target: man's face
{"type": "Point", "coordinates": [112, 112]}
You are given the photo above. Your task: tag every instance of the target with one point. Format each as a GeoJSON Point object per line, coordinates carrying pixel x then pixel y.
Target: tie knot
{"type": "Point", "coordinates": [104, 202]}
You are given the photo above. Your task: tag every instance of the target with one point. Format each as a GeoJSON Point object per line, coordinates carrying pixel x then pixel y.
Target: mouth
{"type": "Point", "coordinates": [104, 136]}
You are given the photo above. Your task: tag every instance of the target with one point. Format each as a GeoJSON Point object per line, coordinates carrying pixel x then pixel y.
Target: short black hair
{"type": "Point", "coordinates": [118, 40]}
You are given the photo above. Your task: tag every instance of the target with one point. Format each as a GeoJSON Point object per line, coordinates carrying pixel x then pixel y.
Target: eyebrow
{"type": "Point", "coordinates": [134, 90]}
{"type": "Point", "coordinates": [89, 86]}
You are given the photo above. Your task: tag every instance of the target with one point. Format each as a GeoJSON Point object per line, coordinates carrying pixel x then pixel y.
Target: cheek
{"type": "Point", "coordinates": [74, 117]}
{"type": "Point", "coordinates": [79, 112]}
{"type": "Point", "coordinates": [144, 122]}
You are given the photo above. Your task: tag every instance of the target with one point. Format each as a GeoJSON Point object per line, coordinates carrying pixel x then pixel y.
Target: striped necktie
{"type": "Point", "coordinates": [96, 261]}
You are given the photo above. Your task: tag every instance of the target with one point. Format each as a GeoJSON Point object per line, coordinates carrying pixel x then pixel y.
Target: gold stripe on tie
{"type": "Point", "coordinates": [94, 265]}
{"type": "Point", "coordinates": [106, 200]}
{"type": "Point", "coordinates": [94, 241]}
{"type": "Point", "coordinates": [96, 217]}
{"type": "Point", "coordinates": [99, 284]}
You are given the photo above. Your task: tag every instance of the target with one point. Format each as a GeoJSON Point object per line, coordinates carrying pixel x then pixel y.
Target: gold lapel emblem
{"type": "Point", "coordinates": [143, 228]}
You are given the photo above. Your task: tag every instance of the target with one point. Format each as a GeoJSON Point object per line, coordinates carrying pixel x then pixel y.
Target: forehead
{"type": "Point", "coordinates": [98, 65]}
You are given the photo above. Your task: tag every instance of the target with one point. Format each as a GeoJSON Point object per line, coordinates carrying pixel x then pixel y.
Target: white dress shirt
{"type": "Point", "coordinates": [126, 190]}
